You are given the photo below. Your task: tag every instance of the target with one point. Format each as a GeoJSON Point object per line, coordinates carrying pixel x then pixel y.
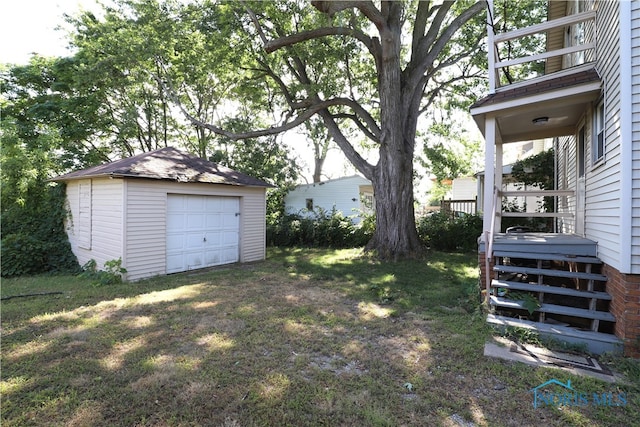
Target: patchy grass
{"type": "Point", "coordinates": [306, 338]}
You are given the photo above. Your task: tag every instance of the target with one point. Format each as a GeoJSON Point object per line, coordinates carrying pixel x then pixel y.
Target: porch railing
{"type": "Point", "coordinates": [496, 211]}
{"type": "Point", "coordinates": [452, 207]}
{"type": "Point", "coordinates": [582, 41]}
{"type": "Point", "coordinates": [488, 243]}
{"type": "Point", "coordinates": [537, 193]}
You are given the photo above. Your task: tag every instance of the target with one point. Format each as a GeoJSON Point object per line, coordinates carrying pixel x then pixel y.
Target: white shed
{"type": "Point", "coordinates": [165, 212]}
{"type": "Point", "coordinates": [349, 195]}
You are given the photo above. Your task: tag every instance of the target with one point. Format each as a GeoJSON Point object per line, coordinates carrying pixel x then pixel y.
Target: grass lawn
{"type": "Point", "coordinates": [306, 338]}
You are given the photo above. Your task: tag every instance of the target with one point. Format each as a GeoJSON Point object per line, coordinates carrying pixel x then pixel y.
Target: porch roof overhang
{"type": "Point", "coordinates": [561, 98]}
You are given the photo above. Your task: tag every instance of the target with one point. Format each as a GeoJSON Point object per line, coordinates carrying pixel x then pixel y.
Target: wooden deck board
{"type": "Point", "coordinates": [557, 290]}
{"type": "Point", "coordinates": [555, 330]}
{"type": "Point", "coordinates": [544, 243]}
{"type": "Point", "coordinates": [550, 272]}
{"type": "Point", "coordinates": [555, 309]}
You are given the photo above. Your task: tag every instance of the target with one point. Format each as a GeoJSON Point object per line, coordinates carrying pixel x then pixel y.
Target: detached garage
{"type": "Point", "coordinates": [165, 212]}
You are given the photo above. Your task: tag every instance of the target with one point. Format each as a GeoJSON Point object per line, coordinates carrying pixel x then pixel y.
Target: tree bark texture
{"type": "Point", "coordinates": [396, 235]}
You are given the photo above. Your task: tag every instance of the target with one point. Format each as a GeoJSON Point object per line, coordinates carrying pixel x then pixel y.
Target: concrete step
{"type": "Point", "coordinates": [557, 290]}
{"type": "Point", "coordinates": [595, 342]}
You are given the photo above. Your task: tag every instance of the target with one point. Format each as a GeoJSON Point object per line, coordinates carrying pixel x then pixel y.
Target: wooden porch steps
{"type": "Point", "coordinates": [530, 287]}
{"type": "Point", "coordinates": [550, 272]}
{"type": "Point", "coordinates": [555, 309]}
{"type": "Point", "coordinates": [556, 293]}
{"type": "Point", "coordinates": [548, 256]}
{"type": "Point", "coordinates": [595, 342]}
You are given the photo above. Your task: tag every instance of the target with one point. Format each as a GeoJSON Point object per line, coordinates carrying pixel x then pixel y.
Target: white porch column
{"type": "Point", "coordinates": [489, 171]}
{"type": "Point", "coordinates": [498, 184]}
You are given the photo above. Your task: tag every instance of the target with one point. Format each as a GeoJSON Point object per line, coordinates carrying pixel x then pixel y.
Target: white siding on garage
{"type": "Point", "coordinates": [145, 229]}
{"type": "Point", "coordinates": [343, 193]}
{"type": "Point", "coordinates": [145, 218]}
{"type": "Point", "coordinates": [96, 236]}
{"type": "Point", "coordinates": [253, 227]}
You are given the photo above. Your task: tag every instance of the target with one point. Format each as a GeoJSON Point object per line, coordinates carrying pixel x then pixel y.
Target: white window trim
{"type": "Point", "coordinates": [599, 132]}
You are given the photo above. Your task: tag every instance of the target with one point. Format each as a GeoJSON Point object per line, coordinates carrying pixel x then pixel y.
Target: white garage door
{"type": "Point", "coordinates": [202, 231]}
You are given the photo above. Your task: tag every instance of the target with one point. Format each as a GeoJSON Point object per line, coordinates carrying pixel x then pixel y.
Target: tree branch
{"type": "Point", "coordinates": [367, 8]}
{"type": "Point", "coordinates": [448, 33]}
{"type": "Point", "coordinates": [420, 24]}
{"type": "Point", "coordinates": [273, 45]}
{"type": "Point", "coordinates": [298, 120]}
{"type": "Point", "coordinates": [361, 126]}
{"type": "Point", "coordinates": [341, 141]}
{"type": "Point", "coordinates": [430, 51]}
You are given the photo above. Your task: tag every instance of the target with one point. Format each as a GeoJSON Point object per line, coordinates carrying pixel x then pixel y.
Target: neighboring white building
{"type": "Point", "coordinates": [349, 195]}
{"type": "Point", "coordinates": [165, 212]}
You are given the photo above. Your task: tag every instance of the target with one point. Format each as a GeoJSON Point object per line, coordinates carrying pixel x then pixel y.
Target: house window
{"type": "Point", "coordinates": [309, 203]}
{"type": "Point", "coordinates": [598, 139]}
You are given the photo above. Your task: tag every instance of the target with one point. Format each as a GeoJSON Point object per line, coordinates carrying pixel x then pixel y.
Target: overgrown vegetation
{"type": "Point", "coordinates": [33, 236]}
{"type": "Point", "coordinates": [331, 229]}
{"type": "Point", "coordinates": [307, 338]}
{"type": "Point", "coordinates": [319, 229]}
{"type": "Point", "coordinates": [110, 274]}
{"type": "Point", "coordinates": [445, 232]}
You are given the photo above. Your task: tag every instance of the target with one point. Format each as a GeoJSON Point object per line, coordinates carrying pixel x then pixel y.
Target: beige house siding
{"type": "Point", "coordinates": [145, 228]}
{"type": "Point", "coordinates": [105, 221]}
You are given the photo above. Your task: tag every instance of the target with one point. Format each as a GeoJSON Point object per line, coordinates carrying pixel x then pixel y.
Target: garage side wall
{"type": "Point", "coordinates": [146, 225]}
{"type": "Point", "coordinates": [94, 225]}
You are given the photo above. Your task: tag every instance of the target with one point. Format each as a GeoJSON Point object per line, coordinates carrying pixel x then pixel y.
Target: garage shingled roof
{"type": "Point", "coordinates": [167, 164]}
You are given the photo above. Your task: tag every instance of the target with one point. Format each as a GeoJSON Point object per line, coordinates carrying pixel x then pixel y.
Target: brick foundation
{"type": "Point", "coordinates": [625, 306]}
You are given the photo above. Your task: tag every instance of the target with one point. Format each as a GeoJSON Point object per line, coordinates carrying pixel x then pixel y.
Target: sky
{"type": "Point", "coordinates": [28, 26]}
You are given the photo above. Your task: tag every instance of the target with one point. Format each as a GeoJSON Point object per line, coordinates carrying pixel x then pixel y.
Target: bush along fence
{"type": "Point", "coordinates": [439, 231]}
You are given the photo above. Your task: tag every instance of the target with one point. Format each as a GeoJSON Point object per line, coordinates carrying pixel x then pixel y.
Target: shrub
{"type": "Point", "coordinates": [22, 254]}
{"type": "Point", "coordinates": [110, 275]}
{"type": "Point", "coordinates": [321, 229]}
{"type": "Point", "coordinates": [444, 232]}
{"type": "Point", "coordinates": [34, 240]}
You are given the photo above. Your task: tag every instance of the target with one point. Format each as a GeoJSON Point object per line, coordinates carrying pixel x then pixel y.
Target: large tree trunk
{"type": "Point", "coordinates": [396, 235]}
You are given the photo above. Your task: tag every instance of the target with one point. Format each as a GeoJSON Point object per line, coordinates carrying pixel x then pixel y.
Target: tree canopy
{"type": "Point", "coordinates": [243, 72]}
{"type": "Point", "coordinates": [369, 71]}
